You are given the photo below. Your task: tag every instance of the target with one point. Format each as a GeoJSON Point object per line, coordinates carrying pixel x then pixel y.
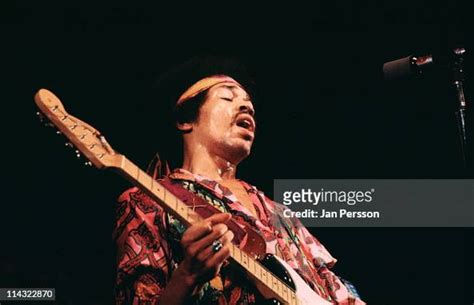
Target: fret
{"type": "Point", "coordinates": [264, 277]}
{"type": "Point", "coordinates": [160, 192]}
{"type": "Point", "coordinates": [293, 298]}
{"type": "Point", "coordinates": [285, 292]}
{"type": "Point", "coordinates": [141, 178]}
{"type": "Point", "coordinates": [280, 287]}
{"type": "Point", "coordinates": [182, 210]}
{"type": "Point", "coordinates": [245, 260]}
{"type": "Point", "coordinates": [144, 179]}
{"type": "Point", "coordinates": [240, 256]}
{"type": "Point", "coordinates": [130, 168]}
{"type": "Point", "coordinates": [124, 166]}
{"type": "Point", "coordinates": [186, 213]}
{"type": "Point", "coordinates": [274, 283]}
{"type": "Point", "coordinates": [252, 266]}
{"type": "Point", "coordinates": [158, 189]}
{"type": "Point", "coordinates": [269, 280]}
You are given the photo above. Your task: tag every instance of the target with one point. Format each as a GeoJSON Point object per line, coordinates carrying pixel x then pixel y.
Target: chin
{"type": "Point", "coordinates": [238, 151]}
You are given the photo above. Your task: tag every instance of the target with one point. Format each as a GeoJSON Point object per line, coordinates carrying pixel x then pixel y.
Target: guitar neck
{"type": "Point", "coordinates": [154, 189]}
{"type": "Point", "coordinates": [185, 215]}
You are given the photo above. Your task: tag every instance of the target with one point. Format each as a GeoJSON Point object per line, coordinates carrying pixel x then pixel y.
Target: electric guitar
{"type": "Point", "coordinates": [272, 276]}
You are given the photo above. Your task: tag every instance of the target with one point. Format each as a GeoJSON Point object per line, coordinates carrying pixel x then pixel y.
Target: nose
{"type": "Point", "coordinates": [247, 107]}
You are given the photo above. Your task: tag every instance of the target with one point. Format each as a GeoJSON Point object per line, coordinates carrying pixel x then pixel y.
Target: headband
{"type": "Point", "coordinates": [203, 85]}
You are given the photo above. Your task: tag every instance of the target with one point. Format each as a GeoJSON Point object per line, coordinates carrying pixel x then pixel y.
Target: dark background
{"type": "Point", "coordinates": [325, 112]}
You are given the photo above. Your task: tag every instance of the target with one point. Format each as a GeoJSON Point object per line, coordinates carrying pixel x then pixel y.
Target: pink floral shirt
{"type": "Point", "coordinates": [148, 247]}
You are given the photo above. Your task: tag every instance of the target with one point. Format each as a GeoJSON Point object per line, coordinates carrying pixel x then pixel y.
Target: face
{"type": "Point", "coordinates": [225, 124]}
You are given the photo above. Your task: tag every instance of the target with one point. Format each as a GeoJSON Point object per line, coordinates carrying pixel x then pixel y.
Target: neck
{"type": "Point", "coordinates": [201, 161]}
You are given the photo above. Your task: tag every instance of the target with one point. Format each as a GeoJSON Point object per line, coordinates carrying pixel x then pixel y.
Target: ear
{"type": "Point", "coordinates": [184, 127]}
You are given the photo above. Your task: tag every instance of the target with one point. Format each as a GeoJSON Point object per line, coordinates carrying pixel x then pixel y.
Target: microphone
{"type": "Point", "coordinates": [417, 64]}
{"type": "Point", "coordinates": [453, 61]}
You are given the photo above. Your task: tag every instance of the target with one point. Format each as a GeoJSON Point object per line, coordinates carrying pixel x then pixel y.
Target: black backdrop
{"type": "Point", "coordinates": [325, 113]}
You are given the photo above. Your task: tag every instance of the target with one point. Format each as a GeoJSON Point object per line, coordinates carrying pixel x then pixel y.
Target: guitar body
{"type": "Point", "coordinates": [279, 268]}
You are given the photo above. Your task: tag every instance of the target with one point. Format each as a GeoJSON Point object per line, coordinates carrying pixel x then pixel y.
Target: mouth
{"type": "Point", "coordinates": [246, 121]}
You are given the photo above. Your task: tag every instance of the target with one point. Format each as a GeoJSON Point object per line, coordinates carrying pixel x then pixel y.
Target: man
{"type": "Point", "coordinates": [161, 262]}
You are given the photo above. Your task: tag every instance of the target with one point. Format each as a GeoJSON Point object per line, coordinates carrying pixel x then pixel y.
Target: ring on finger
{"type": "Point", "coordinates": [216, 245]}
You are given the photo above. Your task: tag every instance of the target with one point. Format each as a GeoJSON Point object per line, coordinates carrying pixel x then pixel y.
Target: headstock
{"type": "Point", "coordinates": [81, 135]}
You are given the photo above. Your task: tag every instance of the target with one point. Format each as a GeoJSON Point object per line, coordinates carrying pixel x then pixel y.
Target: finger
{"type": "Point", "coordinates": [227, 237]}
{"type": "Point", "coordinates": [203, 227]}
{"type": "Point", "coordinates": [219, 218]}
{"type": "Point", "coordinates": [195, 232]}
{"type": "Point", "coordinates": [217, 232]}
{"type": "Point", "coordinates": [216, 260]}
{"type": "Point", "coordinates": [197, 246]}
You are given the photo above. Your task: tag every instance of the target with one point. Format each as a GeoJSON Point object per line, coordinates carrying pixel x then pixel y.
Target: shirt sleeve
{"type": "Point", "coordinates": [143, 254]}
{"type": "Point", "coordinates": [340, 289]}
{"type": "Point", "coordinates": [319, 254]}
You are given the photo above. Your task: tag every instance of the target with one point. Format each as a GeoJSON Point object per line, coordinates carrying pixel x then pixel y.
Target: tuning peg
{"type": "Point", "coordinates": [78, 154]}
{"type": "Point", "coordinates": [88, 163]}
{"type": "Point", "coordinates": [40, 116]}
{"type": "Point", "coordinates": [58, 132]}
{"type": "Point", "coordinates": [44, 120]}
{"type": "Point", "coordinates": [68, 144]}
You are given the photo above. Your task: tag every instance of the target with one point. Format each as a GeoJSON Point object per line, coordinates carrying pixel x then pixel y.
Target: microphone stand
{"type": "Point", "coordinates": [458, 81]}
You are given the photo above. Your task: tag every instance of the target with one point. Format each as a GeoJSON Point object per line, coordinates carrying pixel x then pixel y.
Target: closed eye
{"type": "Point", "coordinates": [227, 99]}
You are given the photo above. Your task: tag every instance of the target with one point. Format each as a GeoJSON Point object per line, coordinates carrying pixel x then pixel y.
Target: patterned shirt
{"type": "Point", "coordinates": [148, 247]}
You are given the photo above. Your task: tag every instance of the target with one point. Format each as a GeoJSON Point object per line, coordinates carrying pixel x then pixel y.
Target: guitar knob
{"type": "Point", "coordinates": [68, 144]}
{"type": "Point", "coordinates": [78, 154]}
{"type": "Point", "coordinates": [88, 163]}
{"type": "Point", "coordinates": [58, 132]}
